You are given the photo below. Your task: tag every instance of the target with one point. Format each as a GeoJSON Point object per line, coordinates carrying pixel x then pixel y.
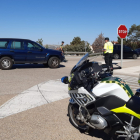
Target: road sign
{"type": "Point", "coordinates": [122, 31]}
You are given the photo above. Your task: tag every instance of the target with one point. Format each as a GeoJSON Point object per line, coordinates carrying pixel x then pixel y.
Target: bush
{"type": "Point", "coordinates": [77, 48]}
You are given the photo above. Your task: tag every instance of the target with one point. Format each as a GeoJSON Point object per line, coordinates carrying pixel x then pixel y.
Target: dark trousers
{"type": "Point", "coordinates": [108, 60]}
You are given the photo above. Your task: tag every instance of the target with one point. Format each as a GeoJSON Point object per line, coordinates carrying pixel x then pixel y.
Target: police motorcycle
{"type": "Point", "coordinates": [102, 102]}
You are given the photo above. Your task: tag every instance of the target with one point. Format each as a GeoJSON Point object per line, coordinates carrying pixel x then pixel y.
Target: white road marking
{"type": "Point", "coordinates": [38, 95]}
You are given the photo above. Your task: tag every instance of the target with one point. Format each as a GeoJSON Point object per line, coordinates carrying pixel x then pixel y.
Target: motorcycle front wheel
{"type": "Point", "coordinates": [73, 112]}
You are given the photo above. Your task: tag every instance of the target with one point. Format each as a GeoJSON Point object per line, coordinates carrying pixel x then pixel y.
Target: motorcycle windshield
{"type": "Point", "coordinates": [83, 59]}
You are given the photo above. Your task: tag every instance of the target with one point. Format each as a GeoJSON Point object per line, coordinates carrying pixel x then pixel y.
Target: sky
{"type": "Point", "coordinates": [62, 20]}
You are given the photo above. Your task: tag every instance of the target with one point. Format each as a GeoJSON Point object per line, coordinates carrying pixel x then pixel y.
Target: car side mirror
{"type": "Point", "coordinates": [65, 80]}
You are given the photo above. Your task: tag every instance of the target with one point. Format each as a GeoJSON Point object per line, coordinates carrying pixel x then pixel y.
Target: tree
{"type": "Point", "coordinates": [76, 41]}
{"type": "Point", "coordinates": [98, 44]}
{"type": "Point", "coordinates": [134, 33]}
{"type": "Point", "coordinates": [77, 46]}
{"type": "Point", "coordinates": [125, 41]}
{"type": "Point", "coordinates": [119, 40]}
{"type": "Point", "coordinates": [40, 41]}
{"type": "Point", "coordinates": [46, 46]}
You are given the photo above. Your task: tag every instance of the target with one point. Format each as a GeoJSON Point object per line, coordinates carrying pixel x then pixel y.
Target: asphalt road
{"type": "Point", "coordinates": [47, 122]}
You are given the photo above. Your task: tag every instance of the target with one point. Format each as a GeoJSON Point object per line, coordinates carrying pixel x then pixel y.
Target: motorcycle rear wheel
{"type": "Point", "coordinates": [73, 111]}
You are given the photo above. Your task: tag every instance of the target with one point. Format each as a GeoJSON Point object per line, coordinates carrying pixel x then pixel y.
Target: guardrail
{"type": "Point", "coordinates": [79, 53]}
{"type": "Point", "coordinates": [94, 54]}
{"type": "Point", "coordinates": [75, 52]}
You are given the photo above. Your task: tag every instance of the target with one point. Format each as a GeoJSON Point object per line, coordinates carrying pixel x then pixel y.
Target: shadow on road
{"type": "Point", "coordinates": [115, 66]}
{"type": "Point", "coordinates": [98, 134]}
{"type": "Point", "coordinates": [125, 58]}
{"type": "Point", "coordinates": [30, 66]}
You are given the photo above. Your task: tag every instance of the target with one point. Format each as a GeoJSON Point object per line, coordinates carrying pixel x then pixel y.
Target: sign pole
{"type": "Point", "coordinates": [121, 52]}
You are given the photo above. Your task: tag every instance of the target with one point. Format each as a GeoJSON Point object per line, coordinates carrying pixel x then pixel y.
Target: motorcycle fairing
{"type": "Point", "coordinates": [120, 82]}
{"type": "Point", "coordinates": [110, 102]}
{"type": "Point", "coordinates": [134, 104]}
{"type": "Point", "coordinates": [124, 109]}
{"type": "Point", "coordinates": [131, 107]}
{"type": "Point", "coordinates": [105, 89]}
{"type": "Point", "coordinates": [70, 78]}
{"type": "Point", "coordinates": [113, 102]}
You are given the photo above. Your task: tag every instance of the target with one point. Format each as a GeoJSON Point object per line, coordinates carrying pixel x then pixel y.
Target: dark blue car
{"type": "Point", "coordinates": [138, 50]}
{"type": "Point", "coordinates": [21, 51]}
{"type": "Point", "coordinates": [127, 52]}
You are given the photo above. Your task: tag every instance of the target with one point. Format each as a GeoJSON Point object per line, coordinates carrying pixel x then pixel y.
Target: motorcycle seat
{"type": "Point", "coordinates": [134, 104]}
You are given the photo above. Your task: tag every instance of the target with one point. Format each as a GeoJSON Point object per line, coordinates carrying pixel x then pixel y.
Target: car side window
{"type": "Point", "coordinates": [33, 46]}
{"type": "Point", "coordinates": [3, 44]}
{"type": "Point", "coordinates": [17, 45]}
{"type": "Point", "coordinates": [127, 48]}
{"type": "Point", "coordinates": [117, 47]}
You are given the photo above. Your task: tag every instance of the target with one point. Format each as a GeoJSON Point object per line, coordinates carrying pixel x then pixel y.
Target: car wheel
{"type": "Point", "coordinates": [6, 63]}
{"type": "Point", "coordinates": [54, 62]}
{"type": "Point", "coordinates": [116, 56]}
{"type": "Point", "coordinates": [134, 56]}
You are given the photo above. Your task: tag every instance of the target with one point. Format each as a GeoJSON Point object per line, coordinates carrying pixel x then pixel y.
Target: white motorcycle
{"type": "Point", "coordinates": [101, 101]}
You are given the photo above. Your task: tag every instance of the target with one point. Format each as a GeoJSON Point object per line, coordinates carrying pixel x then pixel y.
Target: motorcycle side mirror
{"type": "Point", "coordinates": [65, 80]}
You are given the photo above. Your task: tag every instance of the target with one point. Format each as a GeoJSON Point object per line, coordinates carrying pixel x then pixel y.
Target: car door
{"type": "Point", "coordinates": [35, 53]}
{"type": "Point", "coordinates": [18, 51]}
{"type": "Point", "coordinates": [127, 51]}
{"type": "Point", "coordinates": [117, 50]}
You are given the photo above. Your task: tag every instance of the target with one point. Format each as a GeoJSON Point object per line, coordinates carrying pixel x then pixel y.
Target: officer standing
{"type": "Point", "coordinates": [108, 53]}
{"type": "Point", "coordinates": [61, 47]}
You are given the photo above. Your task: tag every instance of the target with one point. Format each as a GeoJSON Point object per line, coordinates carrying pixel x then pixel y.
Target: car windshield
{"type": "Point", "coordinates": [84, 58]}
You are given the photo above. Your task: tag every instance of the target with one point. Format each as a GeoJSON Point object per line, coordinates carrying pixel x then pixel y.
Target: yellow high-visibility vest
{"type": "Point", "coordinates": [61, 46]}
{"type": "Point", "coordinates": [108, 46]}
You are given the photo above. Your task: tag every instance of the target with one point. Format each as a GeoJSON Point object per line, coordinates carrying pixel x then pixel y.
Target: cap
{"type": "Point", "coordinates": [106, 38]}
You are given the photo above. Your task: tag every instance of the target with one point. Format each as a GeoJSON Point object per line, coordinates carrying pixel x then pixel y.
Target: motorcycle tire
{"type": "Point", "coordinates": [73, 111]}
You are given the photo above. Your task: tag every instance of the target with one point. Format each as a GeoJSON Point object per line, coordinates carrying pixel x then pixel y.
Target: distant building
{"type": "Point", "coordinates": [54, 47]}
{"type": "Point", "coordinates": [114, 42]}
